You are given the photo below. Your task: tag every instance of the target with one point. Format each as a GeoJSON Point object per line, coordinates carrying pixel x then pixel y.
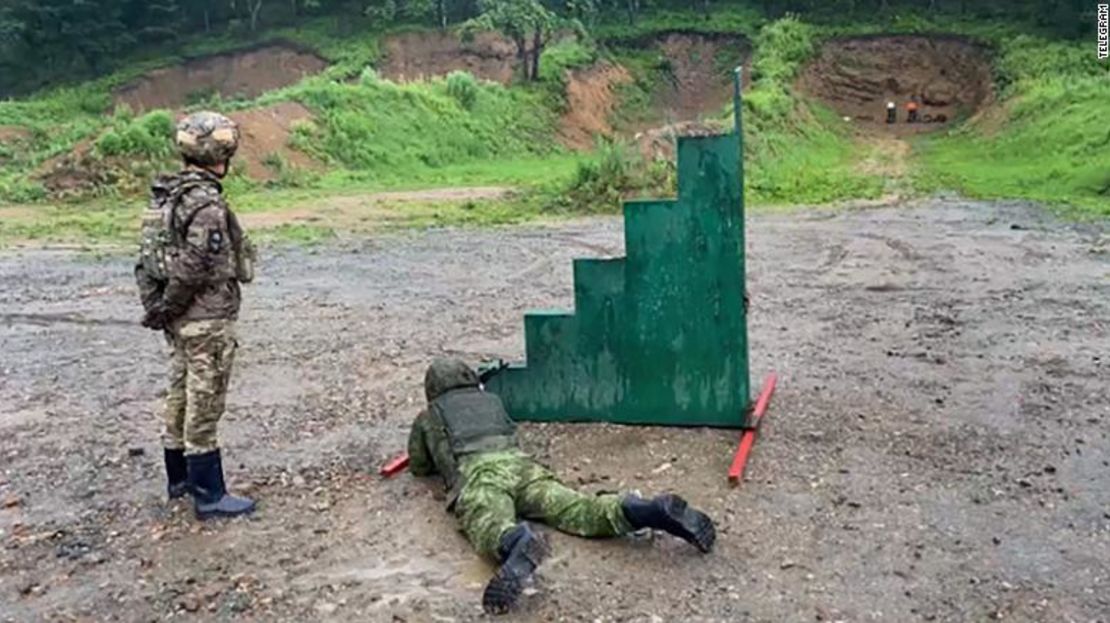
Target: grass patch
{"type": "Point", "coordinates": [795, 151]}
{"type": "Point", "coordinates": [1048, 140]}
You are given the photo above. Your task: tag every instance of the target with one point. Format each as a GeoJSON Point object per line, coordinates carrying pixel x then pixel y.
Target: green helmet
{"type": "Point", "coordinates": [207, 138]}
{"type": "Point", "coordinates": [447, 374]}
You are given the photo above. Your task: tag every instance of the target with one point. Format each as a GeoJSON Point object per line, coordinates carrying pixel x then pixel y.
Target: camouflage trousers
{"type": "Point", "coordinates": [503, 487]}
{"type": "Point", "coordinates": [200, 367]}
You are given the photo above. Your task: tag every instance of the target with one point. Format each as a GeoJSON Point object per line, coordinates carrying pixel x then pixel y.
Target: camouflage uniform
{"type": "Point", "coordinates": [466, 436]}
{"type": "Point", "coordinates": [192, 258]}
{"type": "Point", "coordinates": [200, 367]}
{"type": "Point", "coordinates": [490, 490]}
{"type": "Point", "coordinates": [200, 303]}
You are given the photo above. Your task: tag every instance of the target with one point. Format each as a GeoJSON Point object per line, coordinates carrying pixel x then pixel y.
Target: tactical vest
{"type": "Point", "coordinates": [157, 234]}
{"type": "Point", "coordinates": [476, 421]}
{"type": "Point", "coordinates": [161, 238]}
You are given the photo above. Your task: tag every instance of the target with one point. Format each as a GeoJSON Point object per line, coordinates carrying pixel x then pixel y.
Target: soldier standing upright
{"type": "Point", "coordinates": [193, 257]}
{"type": "Point", "coordinates": [465, 436]}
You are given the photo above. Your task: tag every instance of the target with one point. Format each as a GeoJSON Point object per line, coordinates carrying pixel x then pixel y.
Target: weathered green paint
{"type": "Point", "coordinates": [658, 336]}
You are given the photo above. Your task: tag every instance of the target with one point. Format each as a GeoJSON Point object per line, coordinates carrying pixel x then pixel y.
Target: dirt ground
{"type": "Point", "coordinates": [857, 76]}
{"type": "Point", "coordinates": [937, 449]}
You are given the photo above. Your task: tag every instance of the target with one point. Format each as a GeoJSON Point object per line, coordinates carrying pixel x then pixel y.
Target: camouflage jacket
{"type": "Point", "coordinates": [201, 271]}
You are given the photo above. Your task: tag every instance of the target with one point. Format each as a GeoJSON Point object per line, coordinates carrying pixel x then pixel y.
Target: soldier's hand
{"type": "Point", "coordinates": [155, 318]}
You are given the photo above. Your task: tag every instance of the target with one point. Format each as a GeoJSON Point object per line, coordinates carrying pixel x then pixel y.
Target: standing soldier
{"type": "Point", "coordinates": [192, 259]}
{"type": "Point", "coordinates": [891, 112]}
{"type": "Point", "coordinates": [911, 110]}
{"type": "Point", "coordinates": [465, 436]}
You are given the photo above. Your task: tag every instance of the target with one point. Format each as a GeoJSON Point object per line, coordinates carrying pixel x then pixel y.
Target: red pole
{"type": "Point", "coordinates": [740, 461]}
{"type": "Point", "coordinates": [395, 466]}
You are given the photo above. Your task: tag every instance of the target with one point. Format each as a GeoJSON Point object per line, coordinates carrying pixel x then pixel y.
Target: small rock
{"type": "Point", "coordinates": [190, 603]}
{"type": "Point", "coordinates": [1050, 469]}
{"type": "Point", "coordinates": [662, 468]}
{"type": "Point", "coordinates": [136, 451]}
{"type": "Point", "coordinates": [26, 587]}
{"type": "Point", "coordinates": [788, 564]}
{"type": "Point", "coordinates": [12, 501]}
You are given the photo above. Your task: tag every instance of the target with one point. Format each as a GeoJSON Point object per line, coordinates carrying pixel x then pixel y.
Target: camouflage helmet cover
{"type": "Point", "coordinates": [207, 138]}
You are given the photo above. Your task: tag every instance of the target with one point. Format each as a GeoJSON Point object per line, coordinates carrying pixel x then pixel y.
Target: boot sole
{"type": "Point", "coordinates": [215, 514]}
{"type": "Point", "coordinates": [690, 525]}
{"type": "Point", "coordinates": [503, 591]}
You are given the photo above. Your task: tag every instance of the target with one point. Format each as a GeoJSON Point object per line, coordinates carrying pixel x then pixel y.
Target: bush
{"type": "Point", "coordinates": [463, 86]}
{"type": "Point", "coordinates": [150, 135]}
{"type": "Point", "coordinates": [368, 77]}
{"type": "Point", "coordinates": [614, 172]}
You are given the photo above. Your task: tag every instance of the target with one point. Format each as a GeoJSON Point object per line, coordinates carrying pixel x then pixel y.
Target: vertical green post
{"type": "Point", "coordinates": [659, 336]}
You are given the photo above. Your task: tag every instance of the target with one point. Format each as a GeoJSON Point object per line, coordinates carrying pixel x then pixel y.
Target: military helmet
{"type": "Point", "coordinates": [207, 138]}
{"type": "Point", "coordinates": [447, 374]}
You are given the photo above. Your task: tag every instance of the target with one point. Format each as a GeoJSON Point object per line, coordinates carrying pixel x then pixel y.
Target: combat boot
{"type": "Point", "coordinates": [671, 514]}
{"type": "Point", "coordinates": [206, 482]}
{"type": "Point", "coordinates": [177, 473]}
{"type": "Point", "coordinates": [521, 550]}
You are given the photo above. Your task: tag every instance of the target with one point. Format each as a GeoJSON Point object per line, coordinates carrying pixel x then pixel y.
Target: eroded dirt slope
{"type": "Point", "coordinates": [243, 74]}
{"type": "Point", "coordinates": [266, 135]}
{"type": "Point", "coordinates": [419, 55]}
{"type": "Point", "coordinates": [949, 77]}
{"type": "Point", "coordinates": [937, 449]}
{"type": "Point", "coordinates": [591, 100]}
{"type": "Point", "coordinates": [701, 74]}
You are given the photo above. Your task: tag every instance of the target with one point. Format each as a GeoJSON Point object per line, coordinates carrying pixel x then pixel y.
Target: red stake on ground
{"type": "Point", "coordinates": [736, 471]}
{"type": "Point", "coordinates": [395, 466]}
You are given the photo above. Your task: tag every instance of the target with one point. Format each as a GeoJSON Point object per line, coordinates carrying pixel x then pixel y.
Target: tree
{"type": "Point", "coordinates": [253, 8]}
{"type": "Point", "coordinates": [527, 23]}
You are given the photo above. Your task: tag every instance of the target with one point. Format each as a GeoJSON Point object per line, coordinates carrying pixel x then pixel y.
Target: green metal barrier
{"type": "Point", "coordinates": [659, 336]}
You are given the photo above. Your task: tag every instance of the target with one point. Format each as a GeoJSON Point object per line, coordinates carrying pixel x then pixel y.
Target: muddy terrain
{"type": "Point", "coordinates": [937, 449]}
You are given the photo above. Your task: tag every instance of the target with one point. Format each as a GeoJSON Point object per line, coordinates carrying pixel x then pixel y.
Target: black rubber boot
{"type": "Point", "coordinates": [177, 473]}
{"type": "Point", "coordinates": [521, 551]}
{"type": "Point", "coordinates": [671, 514]}
{"type": "Point", "coordinates": [206, 481]}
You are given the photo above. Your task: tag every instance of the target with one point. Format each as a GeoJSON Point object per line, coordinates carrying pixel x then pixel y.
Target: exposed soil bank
{"type": "Point", "coordinates": [591, 99]}
{"type": "Point", "coordinates": [949, 77]}
{"type": "Point", "coordinates": [419, 55]}
{"type": "Point", "coordinates": [242, 74]}
{"type": "Point", "coordinates": [937, 449]}
{"type": "Point", "coordinates": [266, 137]}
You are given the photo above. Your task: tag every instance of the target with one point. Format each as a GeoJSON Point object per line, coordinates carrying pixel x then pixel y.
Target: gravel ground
{"type": "Point", "coordinates": [937, 449]}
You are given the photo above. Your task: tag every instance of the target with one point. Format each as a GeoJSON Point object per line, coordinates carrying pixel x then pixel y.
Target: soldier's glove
{"type": "Point", "coordinates": [155, 318]}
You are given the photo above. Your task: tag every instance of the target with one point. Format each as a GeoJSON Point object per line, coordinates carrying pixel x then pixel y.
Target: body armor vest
{"type": "Point", "coordinates": [476, 421]}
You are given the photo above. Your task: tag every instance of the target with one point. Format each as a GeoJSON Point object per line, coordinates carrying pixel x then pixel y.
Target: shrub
{"type": "Point", "coordinates": [149, 135]}
{"type": "Point", "coordinates": [615, 171]}
{"type": "Point", "coordinates": [368, 77]}
{"type": "Point", "coordinates": [463, 86]}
